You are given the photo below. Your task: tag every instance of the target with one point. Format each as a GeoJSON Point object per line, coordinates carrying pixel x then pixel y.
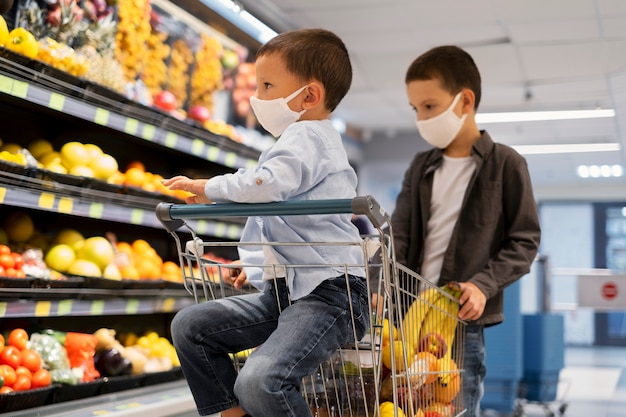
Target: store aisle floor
{"type": "Point", "coordinates": [593, 384]}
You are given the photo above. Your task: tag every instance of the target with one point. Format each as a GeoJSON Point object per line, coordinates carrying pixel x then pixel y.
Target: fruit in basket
{"type": "Point", "coordinates": [111, 271]}
{"type": "Point", "coordinates": [433, 343]}
{"type": "Point", "coordinates": [85, 268]}
{"type": "Point", "coordinates": [60, 257]}
{"type": "Point", "coordinates": [388, 409]}
{"type": "Point", "coordinates": [4, 30]}
{"type": "Point", "coordinates": [39, 148]}
{"type": "Point", "coordinates": [424, 369]}
{"type": "Point", "coordinates": [22, 42]}
{"type": "Point", "coordinates": [199, 113]}
{"type": "Point", "coordinates": [18, 226]}
{"type": "Point", "coordinates": [438, 409]}
{"type": "Point", "coordinates": [74, 154]}
{"type": "Point", "coordinates": [165, 100]}
{"type": "Point", "coordinates": [98, 250]}
{"type": "Point", "coordinates": [71, 237]}
{"type": "Point", "coordinates": [448, 383]}
{"type": "Point", "coordinates": [103, 166]}
{"type": "Point", "coordinates": [397, 355]}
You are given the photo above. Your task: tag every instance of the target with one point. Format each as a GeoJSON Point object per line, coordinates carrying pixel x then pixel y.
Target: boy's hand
{"type": "Point", "coordinates": [237, 277]}
{"type": "Point", "coordinates": [472, 301]}
{"type": "Point", "coordinates": [195, 187]}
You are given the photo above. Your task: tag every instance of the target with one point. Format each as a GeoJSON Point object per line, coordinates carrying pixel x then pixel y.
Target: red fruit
{"type": "Point", "coordinates": [31, 360]}
{"type": "Point", "coordinates": [10, 355]}
{"type": "Point", "coordinates": [199, 113]}
{"type": "Point", "coordinates": [19, 260]}
{"type": "Point", "coordinates": [433, 343]}
{"type": "Point", "coordinates": [41, 378]}
{"type": "Point", "coordinates": [18, 338]}
{"type": "Point", "coordinates": [165, 100]}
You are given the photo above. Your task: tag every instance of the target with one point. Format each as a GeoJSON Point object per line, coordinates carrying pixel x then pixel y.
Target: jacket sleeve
{"type": "Point", "coordinates": [521, 237]}
{"type": "Point", "coordinates": [401, 217]}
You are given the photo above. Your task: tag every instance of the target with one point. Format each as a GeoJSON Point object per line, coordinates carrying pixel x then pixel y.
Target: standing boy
{"type": "Point", "coordinates": [301, 316]}
{"type": "Point", "coordinates": [466, 210]}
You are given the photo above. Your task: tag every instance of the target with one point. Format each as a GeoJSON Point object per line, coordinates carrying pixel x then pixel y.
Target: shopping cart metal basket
{"type": "Point", "coordinates": [411, 360]}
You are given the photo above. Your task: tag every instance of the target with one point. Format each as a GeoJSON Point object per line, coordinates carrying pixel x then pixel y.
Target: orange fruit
{"type": "Point", "coordinates": [129, 272]}
{"type": "Point", "coordinates": [136, 164]}
{"type": "Point", "coordinates": [140, 246]}
{"type": "Point", "coordinates": [9, 375]}
{"type": "Point", "coordinates": [135, 177]}
{"type": "Point", "coordinates": [41, 378]}
{"type": "Point", "coordinates": [18, 338]}
{"type": "Point", "coordinates": [31, 360]}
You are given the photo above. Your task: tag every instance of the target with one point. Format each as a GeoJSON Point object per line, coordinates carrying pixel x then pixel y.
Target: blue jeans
{"type": "Point", "coordinates": [292, 343]}
{"type": "Point", "coordinates": [474, 375]}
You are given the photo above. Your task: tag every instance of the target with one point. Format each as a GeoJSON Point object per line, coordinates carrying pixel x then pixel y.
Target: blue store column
{"type": "Point", "coordinates": [504, 346]}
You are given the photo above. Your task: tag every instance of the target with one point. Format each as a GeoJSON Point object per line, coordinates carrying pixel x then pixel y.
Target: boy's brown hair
{"type": "Point", "coordinates": [454, 67]}
{"type": "Point", "coordinates": [315, 54]}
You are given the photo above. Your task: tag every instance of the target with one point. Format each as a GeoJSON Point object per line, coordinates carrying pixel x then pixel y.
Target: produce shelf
{"type": "Point", "coordinates": [160, 400]}
{"type": "Point", "coordinates": [80, 99]}
{"type": "Point", "coordinates": [116, 209]}
{"type": "Point", "coordinates": [73, 307]}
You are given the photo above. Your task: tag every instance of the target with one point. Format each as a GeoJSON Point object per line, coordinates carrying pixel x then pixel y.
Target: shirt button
{"type": "Point", "coordinates": [259, 181]}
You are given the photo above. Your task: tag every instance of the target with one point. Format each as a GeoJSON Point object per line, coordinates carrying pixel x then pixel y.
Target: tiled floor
{"type": "Point", "coordinates": [593, 384]}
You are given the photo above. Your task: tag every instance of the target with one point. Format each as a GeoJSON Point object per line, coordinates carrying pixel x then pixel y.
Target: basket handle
{"type": "Point", "coordinates": [172, 215]}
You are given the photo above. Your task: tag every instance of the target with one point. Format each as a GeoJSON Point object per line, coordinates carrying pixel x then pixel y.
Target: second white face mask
{"type": "Point", "coordinates": [275, 115]}
{"type": "Point", "coordinates": [441, 130]}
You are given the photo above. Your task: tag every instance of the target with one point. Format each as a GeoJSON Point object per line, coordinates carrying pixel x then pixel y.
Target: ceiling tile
{"type": "Point", "coordinates": [551, 31]}
{"type": "Point", "coordinates": [563, 62]}
{"type": "Point", "coordinates": [542, 10]}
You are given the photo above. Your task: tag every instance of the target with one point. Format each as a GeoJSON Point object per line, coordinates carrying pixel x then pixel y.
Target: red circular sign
{"type": "Point", "coordinates": [609, 290]}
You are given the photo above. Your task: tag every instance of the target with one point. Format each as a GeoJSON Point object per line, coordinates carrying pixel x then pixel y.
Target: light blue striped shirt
{"type": "Point", "coordinates": [308, 162]}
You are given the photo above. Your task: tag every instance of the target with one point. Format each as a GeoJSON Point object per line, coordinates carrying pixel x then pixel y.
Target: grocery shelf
{"type": "Point", "coordinates": [73, 99]}
{"type": "Point", "coordinates": [160, 400]}
{"type": "Point", "coordinates": [116, 209]}
{"type": "Point", "coordinates": [96, 307]}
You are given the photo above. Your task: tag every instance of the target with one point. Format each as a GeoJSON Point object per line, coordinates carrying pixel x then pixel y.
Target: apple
{"type": "Point", "coordinates": [199, 113]}
{"type": "Point", "coordinates": [433, 343]}
{"type": "Point", "coordinates": [230, 59]}
{"type": "Point", "coordinates": [165, 100]}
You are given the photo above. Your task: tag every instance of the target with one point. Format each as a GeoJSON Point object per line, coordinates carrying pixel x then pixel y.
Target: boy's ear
{"type": "Point", "coordinates": [313, 95]}
{"type": "Point", "coordinates": [468, 98]}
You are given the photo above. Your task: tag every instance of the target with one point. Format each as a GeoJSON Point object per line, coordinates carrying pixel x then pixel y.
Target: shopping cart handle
{"type": "Point", "coordinates": [172, 215]}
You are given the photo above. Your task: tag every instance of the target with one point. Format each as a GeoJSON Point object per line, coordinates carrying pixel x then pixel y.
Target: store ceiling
{"type": "Point", "coordinates": [533, 55]}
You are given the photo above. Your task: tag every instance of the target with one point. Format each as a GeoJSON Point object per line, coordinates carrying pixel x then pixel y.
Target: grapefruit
{"type": "Point", "coordinates": [60, 257]}
{"type": "Point", "coordinates": [85, 268]}
{"type": "Point", "coordinates": [74, 154]}
{"type": "Point", "coordinates": [98, 250]}
{"type": "Point", "coordinates": [39, 148]}
{"type": "Point", "coordinates": [103, 166]}
{"type": "Point", "coordinates": [69, 237]}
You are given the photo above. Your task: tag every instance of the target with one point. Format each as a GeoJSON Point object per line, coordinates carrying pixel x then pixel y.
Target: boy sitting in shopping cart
{"type": "Point", "coordinates": [300, 316]}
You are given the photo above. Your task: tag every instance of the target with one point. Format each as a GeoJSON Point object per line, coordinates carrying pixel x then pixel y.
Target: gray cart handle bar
{"type": "Point", "coordinates": [172, 216]}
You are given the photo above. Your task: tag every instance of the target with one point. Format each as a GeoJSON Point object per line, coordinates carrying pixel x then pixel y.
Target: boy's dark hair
{"type": "Point", "coordinates": [450, 64]}
{"type": "Point", "coordinates": [315, 54]}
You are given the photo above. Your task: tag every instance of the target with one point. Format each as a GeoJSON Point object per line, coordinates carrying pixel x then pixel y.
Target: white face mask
{"type": "Point", "coordinates": [275, 115]}
{"type": "Point", "coordinates": [441, 130]}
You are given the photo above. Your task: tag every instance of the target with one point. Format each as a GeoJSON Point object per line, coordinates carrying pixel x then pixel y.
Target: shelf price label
{"type": "Point", "coordinates": [3, 309]}
{"type": "Point", "coordinates": [148, 132]}
{"type": "Point", "coordinates": [102, 117]}
{"type": "Point", "coordinates": [131, 127]}
{"type": "Point", "coordinates": [168, 305]}
{"type": "Point", "coordinates": [66, 205]}
{"type": "Point", "coordinates": [20, 89]}
{"type": "Point", "coordinates": [46, 201]}
{"type": "Point", "coordinates": [171, 139]}
{"type": "Point", "coordinates": [3, 193]}
{"type": "Point", "coordinates": [56, 102]}
{"type": "Point", "coordinates": [197, 146]}
{"type": "Point", "coordinates": [97, 308]}
{"type": "Point", "coordinates": [96, 210]}
{"type": "Point", "coordinates": [64, 308]}
{"type": "Point", "coordinates": [6, 84]}
{"type": "Point", "coordinates": [132, 306]}
{"type": "Point", "coordinates": [212, 153]}
{"type": "Point", "coordinates": [231, 159]}
{"type": "Point", "coordinates": [136, 216]}
{"type": "Point", "coordinates": [42, 308]}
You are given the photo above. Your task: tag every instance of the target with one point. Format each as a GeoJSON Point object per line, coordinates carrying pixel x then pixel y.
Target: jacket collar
{"type": "Point", "coordinates": [481, 149]}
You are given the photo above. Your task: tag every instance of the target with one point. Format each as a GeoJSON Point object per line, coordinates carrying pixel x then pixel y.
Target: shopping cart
{"type": "Point", "coordinates": [411, 360]}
